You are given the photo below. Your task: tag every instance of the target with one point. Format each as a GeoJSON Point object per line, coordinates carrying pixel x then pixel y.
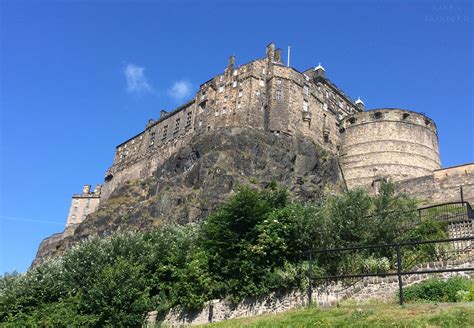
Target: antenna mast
{"type": "Point", "coordinates": [288, 63]}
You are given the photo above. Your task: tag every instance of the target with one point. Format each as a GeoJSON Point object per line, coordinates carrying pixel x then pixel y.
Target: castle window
{"type": "Point", "coordinates": [216, 113]}
{"type": "Point", "coordinates": [278, 81]}
{"type": "Point", "coordinates": [305, 106]}
{"type": "Point", "coordinates": [306, 90]}
{"type": "Point", "coordinates": [352, 120]}
{"type": "Point", "coordinates": [240, 93]}
{"type": "Point", "coordinates": [224, 110]}
{"type": "Point", "coordinates": [176, 126]}
{"type": "Point", "coordinates": [234, 84]}
{"type": "Point", "coordinates": [261, 83]}
{"type": "Point", "coordinates": [221, 77]}
{"type": "Point", "coordinates": [235, 72]}
{"type": "Point", "coordinates": [405, 116]}
{"type": "Point", "coordinates": [188, 118]}
{"type": "Point", "coordinates": [225, 98]}
{"type": "Point", "coordinates": [165, 132]}
{"type": "Point", "coordinates": [152, 139]}
{"type": "Point", "coordinates": [278, 95]}
{"type": "Point", "coordinates": [221, 88]}
{"type": "Point", "coordinates": [264, 71]}
{"type": "Point", "coordinates": [327, 94]}
{"type": "Point", "coordinates": [257, 93]}
{"type": "Point", "coordinates": [377, 115]}
{"type": "Point", "coordinates": [427, 123]}
{"type": "Point", "coordinates": [239, 105]}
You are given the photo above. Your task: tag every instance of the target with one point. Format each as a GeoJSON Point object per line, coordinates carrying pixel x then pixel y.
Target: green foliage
{"type": "Point", "coordinates": [435, 290]}
{"type": "Point", "coordinates": [255, 243]}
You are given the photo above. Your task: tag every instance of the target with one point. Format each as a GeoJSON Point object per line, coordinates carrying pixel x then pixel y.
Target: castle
{"type": "Point", "coordinates": [267, 95]}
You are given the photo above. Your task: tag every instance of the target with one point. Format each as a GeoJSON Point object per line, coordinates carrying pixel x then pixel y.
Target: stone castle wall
{"type": "Point", "coordinates": [443, 185]}
{"type": "Point", "coordinates": [387, 143]}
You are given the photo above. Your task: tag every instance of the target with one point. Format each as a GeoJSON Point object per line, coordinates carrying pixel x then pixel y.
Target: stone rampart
{"type": "Point", "coordinates": [443, 185]}
{"type": "Point", "coordinates": [390, 144]}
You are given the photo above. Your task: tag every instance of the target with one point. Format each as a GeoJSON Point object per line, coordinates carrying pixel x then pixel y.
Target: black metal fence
{"type": "Point", "coordinates": [398, 271]}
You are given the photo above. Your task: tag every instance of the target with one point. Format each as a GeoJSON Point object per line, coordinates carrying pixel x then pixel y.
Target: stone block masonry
{"type": "Point", "coordinates": [263, 94]}
{"type": "Point", "coordinates": [373, 288]}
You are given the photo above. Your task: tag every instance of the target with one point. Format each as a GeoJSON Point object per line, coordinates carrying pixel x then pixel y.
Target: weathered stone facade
{"type": "Point", "coordinates": [306, 133]}
{"type": "Point", "coordinates": [387, 143]}
{"type": "Point", "coordinates": [83, 205]}
{"type": "Point", "coordinates": [263, 94]}
{"type": "Point", "coordinates": [443, 185]}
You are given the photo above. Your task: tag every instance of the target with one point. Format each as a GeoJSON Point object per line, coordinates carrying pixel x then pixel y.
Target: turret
{"type": "Point", "coordinates": [360, 104]}
{"type": "Point", "coordinates": [319, 71]}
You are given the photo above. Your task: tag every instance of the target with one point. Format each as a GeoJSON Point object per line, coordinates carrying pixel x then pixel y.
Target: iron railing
{"type": "Point", "coordinates": [398, 271]}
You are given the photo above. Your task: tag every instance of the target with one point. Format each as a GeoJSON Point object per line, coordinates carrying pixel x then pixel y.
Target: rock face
{"type": "Point", "coordinates": [192, 182]}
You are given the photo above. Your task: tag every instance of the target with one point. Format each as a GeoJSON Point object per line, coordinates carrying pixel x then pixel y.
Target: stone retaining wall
{"type": "Point", "coordinates": [378, 288]}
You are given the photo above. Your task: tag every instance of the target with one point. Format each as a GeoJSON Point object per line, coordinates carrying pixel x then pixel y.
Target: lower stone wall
{"type": "Point", "coordinates": [370, 288]}
{"type": "Point", "coordinates": [385, 288]}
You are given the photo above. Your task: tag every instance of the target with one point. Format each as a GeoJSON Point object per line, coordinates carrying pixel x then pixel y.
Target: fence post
{"type": "Point", "coordinates": [399, 270]}
{"type": "Point", "coordinates": [310, 279]}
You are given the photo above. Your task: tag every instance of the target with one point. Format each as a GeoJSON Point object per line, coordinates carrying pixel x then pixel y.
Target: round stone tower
{"type": "Point", "coordinates": [387, 143]}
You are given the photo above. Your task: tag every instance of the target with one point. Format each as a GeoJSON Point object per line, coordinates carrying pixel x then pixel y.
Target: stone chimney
{"type": "Point", "coordinates": [278, 56]}
{"type": "Point", "coordinates": [230, 64]}
{"type": "Point", "coordinates": [86, 189]}
{"type": "Point", "coordinates": [97, 190]}
{"type": "Point", "coordinates": [271, 52]}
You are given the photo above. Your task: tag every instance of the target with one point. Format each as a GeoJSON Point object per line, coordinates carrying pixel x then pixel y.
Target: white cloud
{"type": "Point", "coordinates": [180, 90]}
{"type": "Point", "coordinates": [136, 79]}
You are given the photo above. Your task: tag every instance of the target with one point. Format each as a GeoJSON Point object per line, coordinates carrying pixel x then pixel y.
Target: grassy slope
{"type": "Point", "coordinates": [412, 315]}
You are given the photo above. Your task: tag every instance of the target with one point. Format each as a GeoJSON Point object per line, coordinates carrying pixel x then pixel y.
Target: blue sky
{"type": "Point", "coordinates": [79, 77]}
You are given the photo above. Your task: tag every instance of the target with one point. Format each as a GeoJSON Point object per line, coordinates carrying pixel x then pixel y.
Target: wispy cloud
{"type": "Point", "coordinates": [137, 82]}
{"type": "Point", "coordinates": [180, 90]}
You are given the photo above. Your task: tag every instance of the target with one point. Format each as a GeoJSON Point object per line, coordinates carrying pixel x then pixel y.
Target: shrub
{"type": "Point", "coordinates": [435, 290]}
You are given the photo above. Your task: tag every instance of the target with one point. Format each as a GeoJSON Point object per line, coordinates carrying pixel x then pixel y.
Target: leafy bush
{"type": "Point", "coordinates": [255, 243]}
{"type": "Point", "coordinates": [435, 290]}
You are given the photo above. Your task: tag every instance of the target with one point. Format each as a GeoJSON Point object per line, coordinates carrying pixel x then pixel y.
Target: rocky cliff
{"type": "Point", "coordinates": [192, 182]}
